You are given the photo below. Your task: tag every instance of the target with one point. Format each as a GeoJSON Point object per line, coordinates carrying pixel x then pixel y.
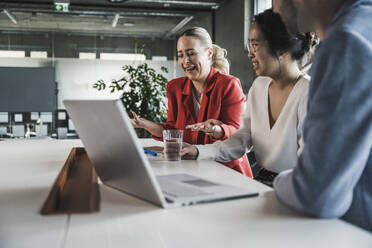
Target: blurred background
{"type": "Point", "coordinates": [51, 50]}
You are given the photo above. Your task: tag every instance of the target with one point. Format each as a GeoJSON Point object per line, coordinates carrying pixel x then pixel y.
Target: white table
{"type": "Point", "coordinates": [29, 168]}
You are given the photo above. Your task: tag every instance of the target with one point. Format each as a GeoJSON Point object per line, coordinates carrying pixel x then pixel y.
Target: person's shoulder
{"type": "Point", "coordinates": [349, 30]}
{"type": "Point", "coordinates": [176, 83]}
{"type": "Point", "coordinates": [305, 80]}
{"type": "Point", "coordinates": [341, 46]}
{"type": "Point", "coordinates": [258, 89]}
{"type": "Point", "coordinates": [260, 83]}
{"type": "Point", "coordinates": [303, 85]}
{"type": "Point", "coordinates": [355, 18]}
{"type": "Point", "coordinates": [224, 81]}
{"type": "Point", "coordinates": [227, 77]}
{"type": "Point", "coordinates": [223, 78]}
{"type": "Point", "coordinates": [342, 36]}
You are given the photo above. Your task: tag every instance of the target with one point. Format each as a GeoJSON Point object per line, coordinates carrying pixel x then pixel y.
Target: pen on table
{"type": "Point", "coordinates": [150, 152]}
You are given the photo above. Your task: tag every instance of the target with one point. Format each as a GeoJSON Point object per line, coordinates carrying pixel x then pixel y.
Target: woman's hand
{"type": "Point", "coordinates": [211, 127]}
{"type": "Point", "coordinates": [138, 122]}
{"type": "Point", "coordinates": [154, 128]}
{"type": "Point", "coordinates": [189, 152]}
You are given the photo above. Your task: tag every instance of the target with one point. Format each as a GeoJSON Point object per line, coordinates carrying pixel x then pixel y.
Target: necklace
{"type": "Point", "coordinates": [197, 94]}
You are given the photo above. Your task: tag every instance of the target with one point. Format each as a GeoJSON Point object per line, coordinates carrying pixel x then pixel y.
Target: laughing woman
{"type": "Point", "coordinates": [276, 105]}
{"type": "Point", "coordinates": [204, 93]}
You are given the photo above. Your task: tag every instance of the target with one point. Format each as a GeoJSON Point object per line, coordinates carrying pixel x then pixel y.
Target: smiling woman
{"type": "Point", "coordinates": [276, 105]}
{"type": "Point", "coordinates": [203, 94]}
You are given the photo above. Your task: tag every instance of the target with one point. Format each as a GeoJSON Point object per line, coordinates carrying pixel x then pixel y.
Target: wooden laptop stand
{"type": "Point", "coordinates": [76, 189]}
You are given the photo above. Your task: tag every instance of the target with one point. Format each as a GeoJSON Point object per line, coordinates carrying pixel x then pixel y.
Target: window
{"type": "Point", "coordinates": [12, 54]}
{"type": "Point", "coordinates": [39, 54]}
{"type": "Point", "coordinates": [252, 8]}
{"type": "Point", "coordinates": [4, 117]}
{"type": "Point", "coordinates": [87, 55]}
{"type": "Point", "coordinates": [159, 58]}
{"type": "Point", "coordinates": [122, 56]}
{"type": "Point", "coordinates": [261, 5]}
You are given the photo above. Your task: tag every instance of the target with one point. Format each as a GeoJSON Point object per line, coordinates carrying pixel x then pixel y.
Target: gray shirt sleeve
{"type": "Point", "coordinates": [337, 129]}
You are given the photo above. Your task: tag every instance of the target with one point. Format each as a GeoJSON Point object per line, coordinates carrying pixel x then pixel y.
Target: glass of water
{"type": "Point", "coordinates": [172, 144]}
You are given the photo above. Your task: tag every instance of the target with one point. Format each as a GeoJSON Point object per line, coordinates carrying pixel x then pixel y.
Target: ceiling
{"type": "Point", "coordinates": [134, 18]}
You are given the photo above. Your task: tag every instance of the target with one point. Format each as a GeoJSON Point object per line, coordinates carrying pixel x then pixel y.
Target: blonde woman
{"type": "Point", "coordinates": [204, 93]}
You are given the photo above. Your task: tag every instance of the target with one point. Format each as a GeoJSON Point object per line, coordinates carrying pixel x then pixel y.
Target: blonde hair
{"type": "Point", "coordinates": [219, 61]}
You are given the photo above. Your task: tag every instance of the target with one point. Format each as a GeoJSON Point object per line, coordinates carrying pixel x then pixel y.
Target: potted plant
{"type": "Point", "coordinates": [142, 91]}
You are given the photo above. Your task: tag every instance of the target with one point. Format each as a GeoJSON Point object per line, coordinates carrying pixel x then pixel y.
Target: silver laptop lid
{"type": "Point", "coordinates": [112, 145]}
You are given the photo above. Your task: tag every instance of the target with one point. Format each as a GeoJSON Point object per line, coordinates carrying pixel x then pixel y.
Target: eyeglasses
{"type": "Point", "coordinates": [252, 45]}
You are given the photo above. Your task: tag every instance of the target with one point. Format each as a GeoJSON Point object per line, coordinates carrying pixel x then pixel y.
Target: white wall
{"type": "Point", "coordinates": [75, 77]}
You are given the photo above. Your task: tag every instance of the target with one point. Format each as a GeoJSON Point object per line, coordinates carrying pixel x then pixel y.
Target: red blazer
{"type": "Point", "coordinates": [223, 100]}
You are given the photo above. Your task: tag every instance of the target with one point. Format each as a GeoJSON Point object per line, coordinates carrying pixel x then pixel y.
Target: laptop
{"type": "Point", "coordinates": [120, 162]}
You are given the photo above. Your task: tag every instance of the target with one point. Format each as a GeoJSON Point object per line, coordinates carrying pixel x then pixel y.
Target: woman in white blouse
{"type": "Point", "coordinates": [276, 105]}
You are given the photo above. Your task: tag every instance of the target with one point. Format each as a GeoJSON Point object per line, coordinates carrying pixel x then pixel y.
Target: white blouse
{"type": "Point", "coordinates": [276, 148]}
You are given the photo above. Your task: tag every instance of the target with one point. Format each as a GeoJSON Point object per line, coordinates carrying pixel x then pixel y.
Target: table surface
{"type": "Point", "coordinates": [30, 167]}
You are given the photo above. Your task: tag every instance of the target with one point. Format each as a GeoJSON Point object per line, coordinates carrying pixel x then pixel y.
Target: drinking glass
{"type": "Point", "coordinates": [172, 144]}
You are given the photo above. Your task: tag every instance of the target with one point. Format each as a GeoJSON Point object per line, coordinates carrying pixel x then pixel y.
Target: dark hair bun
{"type": "Point", "coordinates": [301, 46]}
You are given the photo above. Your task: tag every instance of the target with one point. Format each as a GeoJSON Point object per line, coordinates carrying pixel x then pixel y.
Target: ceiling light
{"type": "Point", "coordinates": [115, 20]}
{"type": "Point", "coordinates": [180, 25]}
{"type": "Point", "coordinates": [11, 17]}
{"type": "Point", "coordinates": [116, 1]}
{"type": "Point", "coordinates": [128, 24]}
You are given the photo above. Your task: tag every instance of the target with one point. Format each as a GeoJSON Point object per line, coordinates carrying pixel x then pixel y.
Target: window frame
{"type": "Point", "coordinates": [252, 8]}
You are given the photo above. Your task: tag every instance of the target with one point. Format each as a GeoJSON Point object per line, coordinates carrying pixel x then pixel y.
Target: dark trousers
{"type": "Point", "coordinates": [259, 173]}
{"type": "Point", "coordinates": [266, 177]}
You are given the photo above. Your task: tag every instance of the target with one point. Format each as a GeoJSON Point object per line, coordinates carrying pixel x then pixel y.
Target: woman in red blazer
{"type": "Point", "coordinates": [203, 94]}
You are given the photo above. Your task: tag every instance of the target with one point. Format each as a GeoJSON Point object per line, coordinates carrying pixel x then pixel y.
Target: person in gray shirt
{"type": "Point", "coordinates": [333, 176]}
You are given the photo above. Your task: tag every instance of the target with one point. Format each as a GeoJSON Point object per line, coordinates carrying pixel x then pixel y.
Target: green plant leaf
{"type": "Point", "coordinates": [142, 91]}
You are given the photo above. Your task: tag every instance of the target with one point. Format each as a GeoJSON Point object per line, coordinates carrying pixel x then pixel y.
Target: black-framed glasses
{"type": "Point", "coordinates": [252, 45]}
